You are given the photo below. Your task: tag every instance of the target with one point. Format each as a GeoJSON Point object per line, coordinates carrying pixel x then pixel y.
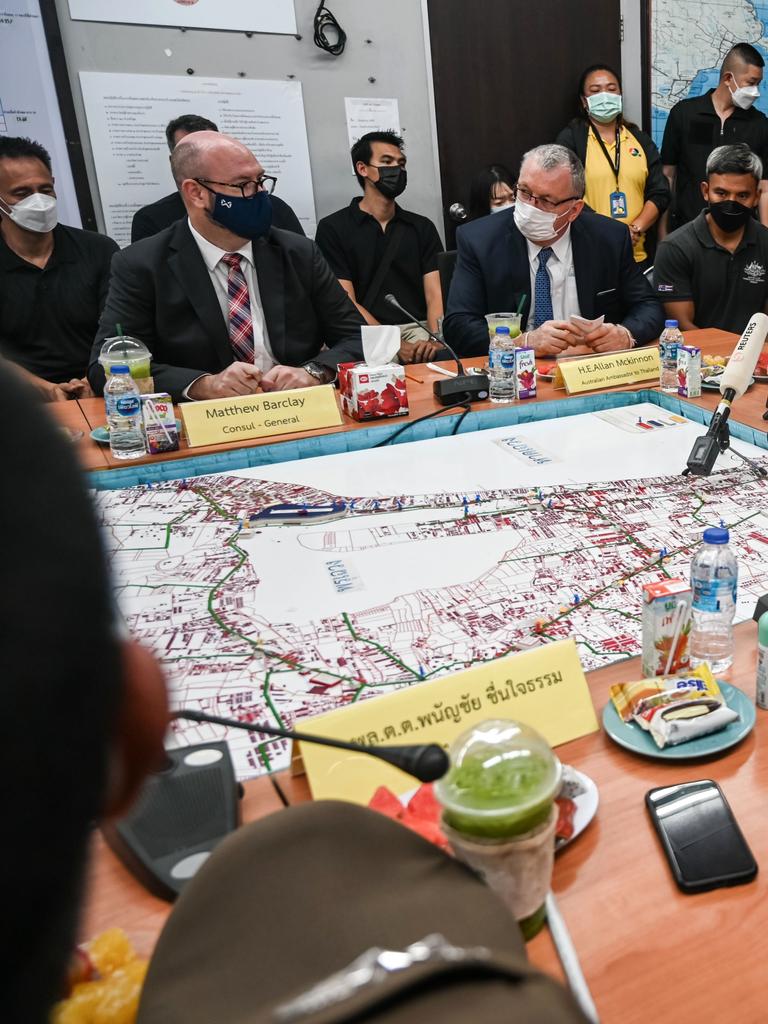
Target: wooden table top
{"type": "Point", "coordinates": [70, 416]}
{"type": "Point", "coordinates": [421, 401]}
{"type": "Point", "coordinates": [648, 951]}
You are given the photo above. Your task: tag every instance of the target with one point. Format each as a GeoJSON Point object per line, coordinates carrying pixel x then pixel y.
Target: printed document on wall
{"type": "Point", "coordinates": [370, 114]}
{"type": "Point", "coordinates": [235, 15]}
{"type": "Point", "coordinates": [127, 115]}
{"type": "Point", "coordinates": [28, 102]}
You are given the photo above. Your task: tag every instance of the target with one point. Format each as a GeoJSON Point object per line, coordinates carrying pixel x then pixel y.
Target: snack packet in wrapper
{"type": "Point", "coordinates": [674, 709]}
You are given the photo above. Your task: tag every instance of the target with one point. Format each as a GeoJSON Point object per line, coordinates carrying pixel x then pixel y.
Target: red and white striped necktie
{"type": "Point", "coordinates": [240, 322]}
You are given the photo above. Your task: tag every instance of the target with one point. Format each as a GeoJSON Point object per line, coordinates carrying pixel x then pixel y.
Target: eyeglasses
{"type": "Point", "coordinates": [247, 189]}
{"type": "Point", "coordinates": [543, 204]}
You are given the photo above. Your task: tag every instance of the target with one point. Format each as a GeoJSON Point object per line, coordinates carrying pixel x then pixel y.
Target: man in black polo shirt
{"type": "Point", "coordinates": [723, 116]}
{"type": "Point", "coordinates": [53, 279]}
{"type": "Point", "coordinates": [375, 247]}
{"type": "Point", "coordinates": [713, 271]}
{"type": "Point", "coordinates": [150, 220]}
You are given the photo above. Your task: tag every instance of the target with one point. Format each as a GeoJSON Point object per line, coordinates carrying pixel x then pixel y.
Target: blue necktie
{"type": "Point", "coordinates": [542, 299]}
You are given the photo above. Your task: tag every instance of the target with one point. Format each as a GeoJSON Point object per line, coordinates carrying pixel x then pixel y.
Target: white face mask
{"type": "Point", "coordinates": [744, 96]}
{"type": "Point", "coordinates": [499, 209]}
{"type": "Point", "coordinates": [534, 224]}
{"type": "Point", "coordinates": [35, 213]}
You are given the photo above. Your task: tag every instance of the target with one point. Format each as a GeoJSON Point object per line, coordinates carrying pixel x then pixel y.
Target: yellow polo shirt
{"type": "Point", "coordinates": [601, 180]}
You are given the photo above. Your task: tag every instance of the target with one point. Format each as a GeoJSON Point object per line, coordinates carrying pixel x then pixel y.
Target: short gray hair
{"type": "Point", "coordinates": [551, 156]}
{"type": "Point", "coordinates": [737, 159]}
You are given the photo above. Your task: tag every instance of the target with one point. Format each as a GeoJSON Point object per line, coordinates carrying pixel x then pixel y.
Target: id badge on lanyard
{"type": "Point", "coordinates": [617, 199]}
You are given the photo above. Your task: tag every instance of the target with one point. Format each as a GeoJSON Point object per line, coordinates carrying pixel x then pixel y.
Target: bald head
{"type": "Point", "coordinates": [215, 156]}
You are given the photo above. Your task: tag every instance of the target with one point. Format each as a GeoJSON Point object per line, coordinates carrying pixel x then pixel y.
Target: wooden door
{"type": "Point", "coordinates": [505, 76]}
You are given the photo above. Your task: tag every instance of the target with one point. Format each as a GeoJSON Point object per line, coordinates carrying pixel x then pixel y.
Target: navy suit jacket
{"type": "Point", "coordinates": [161, 292]}
{"type": "Point", "coordinates": [493, 273]}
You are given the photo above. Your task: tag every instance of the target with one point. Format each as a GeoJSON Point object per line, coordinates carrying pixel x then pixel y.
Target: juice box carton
{"type": "Point", "coordinates": [666, 627]}
{"type": "Point", "coordinates": [371, 392]}
{"type": "Point", "coordinates": [159, 422]}
{"type": "Point", "coordinates": [525, 373]}
{"type": "Point", "coordinates": [689, 371]}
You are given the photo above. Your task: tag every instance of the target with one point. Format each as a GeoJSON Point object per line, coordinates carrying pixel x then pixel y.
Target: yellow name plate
{"type": "Point", "coordinates": [545, 688]}
{"type": "Point", "coordinates": [280, 412]}
{"type": "Point", "coordinates": [609, 370]}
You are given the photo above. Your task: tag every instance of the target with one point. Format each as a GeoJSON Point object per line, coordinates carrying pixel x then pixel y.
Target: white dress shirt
{"type": "Point", "coordinates": [562, 279]}
{"type": "Point", "coordinates": [262, 350]}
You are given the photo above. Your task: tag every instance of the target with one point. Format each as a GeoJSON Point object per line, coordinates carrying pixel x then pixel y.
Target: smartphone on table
{"type": "Point", "coordinates": [703, 844]}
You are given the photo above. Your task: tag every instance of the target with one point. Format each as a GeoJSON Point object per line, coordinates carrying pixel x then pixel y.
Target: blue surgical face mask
{"type": "Point", "coordinates": [245, 217]}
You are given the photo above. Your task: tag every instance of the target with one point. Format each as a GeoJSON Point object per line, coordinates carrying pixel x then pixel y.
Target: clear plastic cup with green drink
{"type": "Point", "coordinates": [510, 320]}
{"type": "Point", "coordinates": [124, 350]}
{"type": "Point", "coordinates": [499, 812]}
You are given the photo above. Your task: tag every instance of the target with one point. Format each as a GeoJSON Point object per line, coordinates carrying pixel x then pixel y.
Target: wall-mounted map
{"type": "Point", "coordinates": [689, 39]}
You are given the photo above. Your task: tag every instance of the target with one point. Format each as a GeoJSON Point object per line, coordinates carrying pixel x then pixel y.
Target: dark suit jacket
{"type": "Point", "coordinates": [166, 211]}
{"type": "Point", "coordinates": [161, 292]}
{"type": "Point", "coordinates": [492, 274]}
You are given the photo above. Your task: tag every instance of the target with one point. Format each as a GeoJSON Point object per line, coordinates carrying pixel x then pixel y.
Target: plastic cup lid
{"type": "Point", "coordinates": [499, 767]}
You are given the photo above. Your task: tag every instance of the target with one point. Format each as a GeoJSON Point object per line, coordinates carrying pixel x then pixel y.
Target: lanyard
{"type": "Point", "coordinates": [616, 163]}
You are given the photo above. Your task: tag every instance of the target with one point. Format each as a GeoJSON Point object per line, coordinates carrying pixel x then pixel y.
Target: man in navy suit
{"type": "Point", "coordinates": [226, 303]}
{"type": "Point", "coordinates": [564, 261]}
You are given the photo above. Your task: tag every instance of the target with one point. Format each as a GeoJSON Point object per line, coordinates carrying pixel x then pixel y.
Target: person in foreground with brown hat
{"type": "Point", "coordinates": [319, 913]}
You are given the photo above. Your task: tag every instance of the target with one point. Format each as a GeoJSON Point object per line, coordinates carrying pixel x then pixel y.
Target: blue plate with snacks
{"type": "Point", "coordinates": [101, 434]}
{"type": "Point", "coordinates": [630, 736]}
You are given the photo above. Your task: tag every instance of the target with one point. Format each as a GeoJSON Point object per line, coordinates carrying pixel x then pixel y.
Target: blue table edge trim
{"type": "Point", "coordinates": [366, 437]}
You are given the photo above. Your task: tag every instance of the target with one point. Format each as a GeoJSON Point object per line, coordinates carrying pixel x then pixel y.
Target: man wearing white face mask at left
{"type": "Point", "coordinates": [555, 261]}
{"type": "Point", "coordinates": [53, 278]}
{"type": "Point", "coordinates": [723, 116]}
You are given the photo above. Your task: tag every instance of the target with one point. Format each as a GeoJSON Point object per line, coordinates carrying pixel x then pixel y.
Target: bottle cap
{"type": "Point", "coordinates": [119, 369]}
{"type": "Point", "coordinates": [716, 535]}
{"type": "Point", "coordinates": [502, 330]}
{"type": "Point", "coordinates": [762, 630]}
{"type": "Point", "coordinates": [670, 323]}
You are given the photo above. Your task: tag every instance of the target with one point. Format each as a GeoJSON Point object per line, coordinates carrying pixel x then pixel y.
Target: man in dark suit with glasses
{"type": "Point", "coordinates": [226, 303]}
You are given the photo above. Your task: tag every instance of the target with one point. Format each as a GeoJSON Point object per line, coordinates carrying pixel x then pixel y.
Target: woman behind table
{"type": "Point", "coordinates": [491, 191]}
{"type": "Point", "coordinates": [628, 186]}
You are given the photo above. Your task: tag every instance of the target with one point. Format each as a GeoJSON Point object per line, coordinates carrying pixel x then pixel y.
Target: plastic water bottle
{"type": "Point", "coordinates": [501, 366]}
{"type": "Point", "coordinates": [123, 405]}
{"type": "Point", "coordinates": [714, 578]}
{"type": "Point", "coordinates": [671, 337]}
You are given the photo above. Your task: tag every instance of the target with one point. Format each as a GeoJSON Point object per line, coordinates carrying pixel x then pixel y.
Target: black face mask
{"type": "Point", "coordinates": [392, 181]}
{"type": "Point", "coordinates": [730, 215]}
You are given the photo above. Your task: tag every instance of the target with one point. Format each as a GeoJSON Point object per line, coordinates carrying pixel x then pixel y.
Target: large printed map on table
{"type": "Point", "coordinates": [451, 552]}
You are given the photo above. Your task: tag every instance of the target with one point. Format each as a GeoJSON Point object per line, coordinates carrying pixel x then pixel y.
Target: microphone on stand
{"type": "Point", "coordinates": [734, 381]}
{"type": "Point", "coordinates": [473, 387]}
{"type": "Point", "coordinates": [426, 762]}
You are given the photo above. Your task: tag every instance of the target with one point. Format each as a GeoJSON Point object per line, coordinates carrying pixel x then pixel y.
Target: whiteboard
{"type": "Point", "coordinates": [236, 15]}
{"type": "Point", "coordinates": [28, 101]}
{"type": "Point", "coordinates": [127, 115]}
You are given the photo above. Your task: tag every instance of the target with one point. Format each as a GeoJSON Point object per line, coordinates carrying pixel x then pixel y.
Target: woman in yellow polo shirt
{"type": "Point", "coordinates": [621, 163]}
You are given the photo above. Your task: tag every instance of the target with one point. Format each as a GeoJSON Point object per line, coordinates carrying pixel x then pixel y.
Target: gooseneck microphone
{"type": "Point", "coordinates": [734, 381]}
{"type": "Point", "coordinates": [472, 387]}
{"type": "Point", "coordinates": [426, 762]}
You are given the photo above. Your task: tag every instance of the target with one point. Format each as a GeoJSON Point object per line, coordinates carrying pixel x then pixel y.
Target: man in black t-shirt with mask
{"type": "Point", "coordinates": [375, 247]}
{"type": "Point", "coordinates": [53, 278]}
{"type": "Point", "coordinates": [713, 272]}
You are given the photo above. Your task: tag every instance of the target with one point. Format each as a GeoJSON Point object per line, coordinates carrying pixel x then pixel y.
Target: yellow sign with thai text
{"type": "Point", "coordinates": [609, 370]}
{"type": "Point", "coordinates": [545, 688]}
{"type": "Point", "coordinates": [223, 420]}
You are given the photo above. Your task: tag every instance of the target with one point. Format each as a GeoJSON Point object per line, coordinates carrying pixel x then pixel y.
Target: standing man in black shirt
{"type": "Point", "coordinates": [723, 116]}
{"type": "Point", "coordinates": [148, 220]}
{"type": "Point", "coordinates": [375, 247]}
{"type": "Point", "coordinates": [53, 278]}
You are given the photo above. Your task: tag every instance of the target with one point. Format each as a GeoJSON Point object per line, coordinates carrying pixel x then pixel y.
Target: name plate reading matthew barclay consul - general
{"type": "Point", "coordinates": [223, 420]}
